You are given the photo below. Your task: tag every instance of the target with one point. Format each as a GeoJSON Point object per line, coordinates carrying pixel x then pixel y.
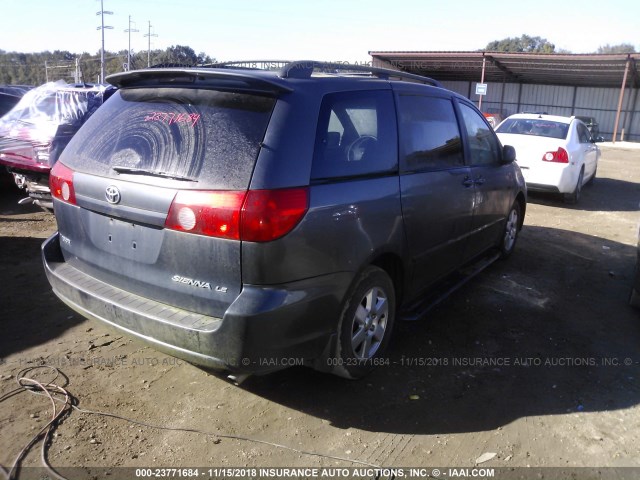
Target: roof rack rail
{"type": "Point", "coordinates": [304, 69]}
{"type": "Point", "coordinates": [249, 64]}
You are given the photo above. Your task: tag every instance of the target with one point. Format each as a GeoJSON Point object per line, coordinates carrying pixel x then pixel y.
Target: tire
{"type": "Point", "coordinates": [509, 235]}
{"type": "Point", "coordinates": [366, 324]}
{"type": "Point", "coordinates": [574, 197]}
{"type": "Point", "coordinates": [634, 298]}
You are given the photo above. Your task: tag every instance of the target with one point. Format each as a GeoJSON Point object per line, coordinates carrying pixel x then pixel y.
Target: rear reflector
{"type": "Point", "coordinates": [61, 183]}
{"type": "Point", "coordinates": [253, 216]}
{"type": "Point", "coordinates": [559, 156]}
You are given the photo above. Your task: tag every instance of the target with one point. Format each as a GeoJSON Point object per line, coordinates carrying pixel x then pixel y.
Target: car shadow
{"type": "Point", "coordinates": [596, 197]}
{"type": "Point", "coordinates": [548, 332]}
{"type": "Point", "coordinates": [31, 314]}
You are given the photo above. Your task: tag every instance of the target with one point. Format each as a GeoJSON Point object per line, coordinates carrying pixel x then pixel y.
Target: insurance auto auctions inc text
{"type": "Point", "coordinates": [513, 362]}
{"type": "Point", "coordinates": [358, 472]}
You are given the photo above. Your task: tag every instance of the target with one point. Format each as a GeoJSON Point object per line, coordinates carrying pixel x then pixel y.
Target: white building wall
{"type": "Point", "coordinates": [600, 103]}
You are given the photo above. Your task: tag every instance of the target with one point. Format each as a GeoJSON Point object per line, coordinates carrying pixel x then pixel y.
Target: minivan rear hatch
{"type": "Point", "coordinates": [135, 165]}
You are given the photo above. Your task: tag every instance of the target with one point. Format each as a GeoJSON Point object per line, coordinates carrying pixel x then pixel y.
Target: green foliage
{"type": "Point", "coordinates": [621, 48]}
{"type": "Point", "coordinates": [525, 44]}
{"type": "Point", "coordinates": [29, 68]}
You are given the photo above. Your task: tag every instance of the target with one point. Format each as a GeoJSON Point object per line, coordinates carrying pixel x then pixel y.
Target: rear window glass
{"type": "Point", "coordinates": [537, 127]}
{"type": "Point", "coordinates": [207, 135]}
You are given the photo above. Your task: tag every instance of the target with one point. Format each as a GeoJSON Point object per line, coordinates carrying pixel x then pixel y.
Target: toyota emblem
{"type": "Point", "coordinates": [112, 194]}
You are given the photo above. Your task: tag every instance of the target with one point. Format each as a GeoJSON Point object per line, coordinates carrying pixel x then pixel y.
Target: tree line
{"type": "Point", "coordinates": [528, 44]}
{"type": "Point", "coordinates": [37, 68]}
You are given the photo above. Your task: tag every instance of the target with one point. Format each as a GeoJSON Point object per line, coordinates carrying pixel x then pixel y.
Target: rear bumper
{"type": "Point", "coordinates": [550, 177]}
{"type": "Point", "coordinates": [264, 329]}
{"type": "Point", "coordinates": [537, 187]}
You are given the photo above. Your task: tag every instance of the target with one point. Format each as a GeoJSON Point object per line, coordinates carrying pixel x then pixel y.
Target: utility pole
{"type": "Point", "coordinates": [129, 30]}
{"type": "Point", "coordinates": [102, 13]}
{"type": "Point", "coordinates": [149, 47]}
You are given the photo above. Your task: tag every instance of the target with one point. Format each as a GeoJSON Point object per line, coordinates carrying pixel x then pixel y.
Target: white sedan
{"type": "Point", "coordinates": [555, 154]}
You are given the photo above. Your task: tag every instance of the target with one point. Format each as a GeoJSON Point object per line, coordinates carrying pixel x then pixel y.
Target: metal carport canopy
{"type": "Point", "coordinates": [592, 70]}
{"type": "Point", "coordinates": [576, 70]}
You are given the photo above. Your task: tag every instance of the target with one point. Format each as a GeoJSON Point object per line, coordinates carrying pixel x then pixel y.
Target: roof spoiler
{"type": "Point", "coordinates": [192, 76]}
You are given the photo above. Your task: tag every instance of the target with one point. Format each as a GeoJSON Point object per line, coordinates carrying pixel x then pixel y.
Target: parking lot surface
{"type": "Point", "coordinates": [537, 360]}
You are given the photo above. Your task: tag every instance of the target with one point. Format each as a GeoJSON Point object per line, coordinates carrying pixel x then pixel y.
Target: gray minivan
{"type": "Point", "coordinates": [242, 218]}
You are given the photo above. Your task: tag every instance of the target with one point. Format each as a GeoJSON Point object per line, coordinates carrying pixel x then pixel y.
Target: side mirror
{"type": "Point", "coordinates": [508, 154]}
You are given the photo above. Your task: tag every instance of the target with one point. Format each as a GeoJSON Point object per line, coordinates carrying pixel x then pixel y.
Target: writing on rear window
{"type": "Point", "coordinates": [172, 117]}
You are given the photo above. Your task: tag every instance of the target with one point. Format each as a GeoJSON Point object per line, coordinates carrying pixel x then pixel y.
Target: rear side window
{"type": "Point", "coordinates": [356, 135]}
{"type": "Point", "coordinates": [583, 133]}
{"type": "Point", "coordinates": [207, 135]}
{"type": "Point", "coordinates": [429, 134]}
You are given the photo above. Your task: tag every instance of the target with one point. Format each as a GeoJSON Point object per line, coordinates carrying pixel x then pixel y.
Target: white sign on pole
{"type": "Point", "coordinates": [481, 88]}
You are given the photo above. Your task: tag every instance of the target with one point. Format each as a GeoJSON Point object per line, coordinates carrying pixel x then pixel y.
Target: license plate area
{"type": "Point", "coordinates": [128, 240]}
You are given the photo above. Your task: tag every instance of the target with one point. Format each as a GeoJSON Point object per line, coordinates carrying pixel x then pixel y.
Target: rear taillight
{"type": "Point", "coordinates": [61, 183]}
{"type": "Point", "coordinates": [42, 153]}
{"type": "Point", "coordinates": [271, 214]}
{"type": "Point", "coordinates": [254, 215]}
{"type": "Point", "coordinates": [216, 214]}
{"type": "Point", "coordinates": [559, 156]}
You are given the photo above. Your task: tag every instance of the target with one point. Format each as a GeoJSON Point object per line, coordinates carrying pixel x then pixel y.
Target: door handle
{"type": "Point", "coordinates": [468, 182]}
{"type": "Point", "coordinates": [479, 180]}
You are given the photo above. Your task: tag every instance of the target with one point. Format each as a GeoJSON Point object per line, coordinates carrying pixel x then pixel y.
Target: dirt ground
{"type": "Point", "coordinates": [536, 360]}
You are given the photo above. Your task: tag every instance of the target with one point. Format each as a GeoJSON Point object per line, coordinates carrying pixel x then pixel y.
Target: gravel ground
{"type": "Point", "coordinates": [536, 360]}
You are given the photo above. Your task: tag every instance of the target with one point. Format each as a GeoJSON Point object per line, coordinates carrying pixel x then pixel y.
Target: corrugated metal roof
{"type": "Point", "coordinates": [593, 70]}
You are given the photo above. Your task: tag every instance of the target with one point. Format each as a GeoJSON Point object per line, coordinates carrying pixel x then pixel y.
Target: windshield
{"type": "Point", "coordinates": [538, 127]}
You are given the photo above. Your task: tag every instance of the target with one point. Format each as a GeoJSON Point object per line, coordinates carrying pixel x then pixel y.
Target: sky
{"type": "Point", "coordinates": [331, 30]}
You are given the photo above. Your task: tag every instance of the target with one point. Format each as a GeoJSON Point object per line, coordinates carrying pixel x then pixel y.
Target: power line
{"type": "Point", "coordinates": [89, 60]}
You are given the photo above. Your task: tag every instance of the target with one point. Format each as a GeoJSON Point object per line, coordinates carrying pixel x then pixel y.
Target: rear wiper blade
{"type": "Point", "coordinates": [153, 173]}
